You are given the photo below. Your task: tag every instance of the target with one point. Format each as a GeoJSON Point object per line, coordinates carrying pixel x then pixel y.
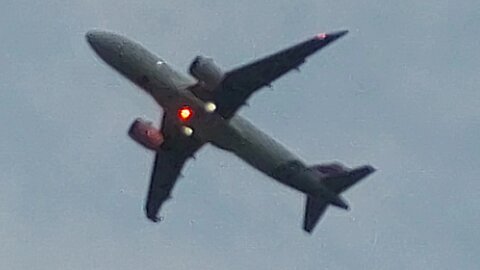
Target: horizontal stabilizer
{"type": "Point", "coordinates": [314, 209]}
{"type": "Point", "coordinates": [341, 182]}
{"type": "Point", "coordinates": [337, 179]}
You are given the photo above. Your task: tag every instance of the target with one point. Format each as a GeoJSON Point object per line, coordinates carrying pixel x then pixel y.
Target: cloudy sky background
{"type": "Point", "coordinates": [400, 92]}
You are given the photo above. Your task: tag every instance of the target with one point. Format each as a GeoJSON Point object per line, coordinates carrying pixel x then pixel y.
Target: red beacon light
{"type": "Point", "coordinates": [185, 113]}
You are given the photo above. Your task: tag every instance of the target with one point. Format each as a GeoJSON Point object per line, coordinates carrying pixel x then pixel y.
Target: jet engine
{"type": "Point", "coordinates": [146, 134]}
{"type": "Point", "coordinates": [206, 71]}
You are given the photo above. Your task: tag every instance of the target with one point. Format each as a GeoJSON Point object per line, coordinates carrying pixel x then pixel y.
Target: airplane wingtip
{"type": "Point", "coordinates": [331, 35]}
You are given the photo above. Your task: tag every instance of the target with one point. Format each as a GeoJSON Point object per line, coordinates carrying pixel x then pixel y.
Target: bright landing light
{"type": "Point", "coordinates": [210, 107]}
{"type": "Point", "coordinates": [187, 131]}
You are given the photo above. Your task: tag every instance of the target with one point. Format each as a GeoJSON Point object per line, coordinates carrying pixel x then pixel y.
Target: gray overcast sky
{"type": "Point", "coordinates": [399, 92]}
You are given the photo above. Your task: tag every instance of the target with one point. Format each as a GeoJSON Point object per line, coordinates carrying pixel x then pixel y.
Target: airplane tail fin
{"type": "Point", "coordinates": [337, 179]}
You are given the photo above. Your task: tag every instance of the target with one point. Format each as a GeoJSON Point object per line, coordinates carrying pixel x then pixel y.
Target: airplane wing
{"type": "Point", "coordinates": [169, 162]}
{"type": "Point", "coordinates": [238, 84]}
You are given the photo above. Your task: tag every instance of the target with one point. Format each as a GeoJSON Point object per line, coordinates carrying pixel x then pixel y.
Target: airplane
{"type": "Point", "coordinates": [203, 110]}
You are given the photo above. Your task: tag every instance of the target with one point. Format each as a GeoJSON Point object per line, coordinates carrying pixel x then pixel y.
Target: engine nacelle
{"type": "Point", "coordinates": [206, 71]}
{"type": "Point", "coordinates": [146, 134]}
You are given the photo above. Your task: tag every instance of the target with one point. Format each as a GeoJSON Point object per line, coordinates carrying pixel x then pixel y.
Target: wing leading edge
{"type": "Point", "coordinates": [238, 84]}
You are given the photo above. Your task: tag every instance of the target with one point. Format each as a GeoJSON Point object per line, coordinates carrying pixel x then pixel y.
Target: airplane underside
{"type": "Point", "coordinates": [205, 111]}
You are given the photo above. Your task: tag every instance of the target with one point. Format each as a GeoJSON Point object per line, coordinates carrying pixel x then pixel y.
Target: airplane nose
{"type": "Point", "coordinates": [122, 54]}
{"type": "Point", "coordinates": [106, 45]}
{"type": "Point", "coordinates": [90, 36]}
{"type": "Point", "coordinates": [94, 38]}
